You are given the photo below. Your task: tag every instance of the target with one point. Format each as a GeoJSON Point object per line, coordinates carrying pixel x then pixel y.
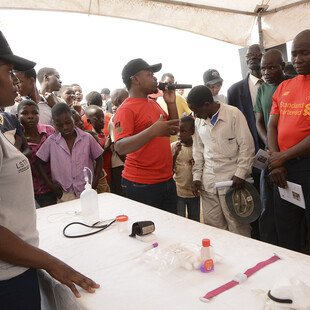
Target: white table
{"type": "Point", "coordinates": [129, 283]}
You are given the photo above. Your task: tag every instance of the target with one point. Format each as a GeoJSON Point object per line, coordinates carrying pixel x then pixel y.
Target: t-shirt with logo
{"type": "Point", "coordinates": [17, 205]}
{"type": "Point", "coordinates": [152, 163]}
{"type": "Point", "coordinates": [291, 101]}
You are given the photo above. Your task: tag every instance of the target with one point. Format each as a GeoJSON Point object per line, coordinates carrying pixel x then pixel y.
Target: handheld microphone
{"type": "Point", "coordinates": [162, 86]}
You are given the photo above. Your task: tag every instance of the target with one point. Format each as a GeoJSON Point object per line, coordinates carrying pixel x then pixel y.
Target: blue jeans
{"type": "Point", "coordinates": [161, 195]}
{"type": "Point", "coordinates": [267, 224]}
{"type": "Point", "coordinates": [21, 292]}
{"type": "Point", "coordinates": [193, 207]}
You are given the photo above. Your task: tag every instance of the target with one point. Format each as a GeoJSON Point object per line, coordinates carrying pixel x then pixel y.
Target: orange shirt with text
{"type": "Point", "coordinates": [291, 101]}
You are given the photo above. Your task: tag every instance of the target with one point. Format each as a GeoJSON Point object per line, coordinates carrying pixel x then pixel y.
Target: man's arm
{"type": "Point", "coordinates": [19, 253]}
{"type": "Point", "coordinates": [198, 156]}
{"type": "Point", "coordinates": [97, 172]}
{"type": "Point", "coordinates": [277, 174]}
{"type": "Point", "coordinates": [260, 125]}
{"type": "Point", "coordinates": [55, 188]}
{"type": "Point", "coordinates": [133, 143]}
{"type": "Point", "coordinates": [272, 133]}
{"type": "Point", "coordinates": [175, 148]}
{"type": "Point", "coordinates": [277, 159]}
{"type": "Point", "coordinates": [246, 152]}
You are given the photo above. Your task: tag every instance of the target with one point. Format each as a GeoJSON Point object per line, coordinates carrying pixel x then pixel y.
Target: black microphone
{"type": "Point", "coordinates": [162, 86]}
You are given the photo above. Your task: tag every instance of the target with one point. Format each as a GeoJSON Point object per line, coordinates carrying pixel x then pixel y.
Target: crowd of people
{"type": "Point", "coordinates": [155, 147]}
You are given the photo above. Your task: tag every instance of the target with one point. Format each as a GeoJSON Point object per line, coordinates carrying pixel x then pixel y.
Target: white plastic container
{"type": "Point", "coordinates": [205, 251]}
{"type": "Point", "coordinates": [89, 205]}
{"type": "Point", "coordinates": [122, 223]}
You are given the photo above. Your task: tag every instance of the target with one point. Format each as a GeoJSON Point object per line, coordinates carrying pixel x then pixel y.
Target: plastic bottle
{"type": "Point", "coordinates": [205, 251]}
{"type": "Point", "coordinates": [89, 204]}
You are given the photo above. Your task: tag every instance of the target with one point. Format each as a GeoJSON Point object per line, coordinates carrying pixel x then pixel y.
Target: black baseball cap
{"type": "Point", "coordinates": [211, 77]}
{"type": "Point", "coordinates": [244, 204]}
{"type": "Point", "coordinates": [19, 63]}
{"type": "Point", "coordinates": [136, 65]}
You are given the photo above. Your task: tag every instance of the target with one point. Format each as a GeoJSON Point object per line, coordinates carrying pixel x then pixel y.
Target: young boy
{"type": "Point", "coordinates": [182, 152]}
{"type": "Point", "coordinates": [95, 117]}
{"type": "Point", "coordinates": [68, 95]}
{"type": "Point", "coordinates": [36, 134]}
{"type": "Point", "coordinates": [78, 93]}
{"type": "Point", "coordinates": [69, 150]}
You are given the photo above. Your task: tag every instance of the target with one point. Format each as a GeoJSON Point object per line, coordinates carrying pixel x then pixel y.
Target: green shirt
{"type": "Point", "coordinates": [264, 100]}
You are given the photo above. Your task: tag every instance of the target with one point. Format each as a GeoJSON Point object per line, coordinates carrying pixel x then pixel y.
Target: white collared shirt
{"type": "Point", "coordinates": [254, 84]}
{"type": "Point", "coordinates": [223, 150]}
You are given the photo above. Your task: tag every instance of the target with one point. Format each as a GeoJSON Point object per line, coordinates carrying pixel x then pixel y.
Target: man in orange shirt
{"type": "Point", "coordinates": [142, 132]}
{"type": "Point", "coordinates": [289, 143]}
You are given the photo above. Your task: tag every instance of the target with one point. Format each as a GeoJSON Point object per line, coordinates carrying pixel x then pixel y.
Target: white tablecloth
{"type": "Point", "coordinates": [110, 258]}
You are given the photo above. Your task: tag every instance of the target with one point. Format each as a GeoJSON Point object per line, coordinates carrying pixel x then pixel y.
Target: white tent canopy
{"type": "Point", "coordinates": [225, 20]}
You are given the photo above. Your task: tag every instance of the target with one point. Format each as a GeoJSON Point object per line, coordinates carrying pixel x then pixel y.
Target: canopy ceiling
{"type": "Point", "coordinates": [226, 20]}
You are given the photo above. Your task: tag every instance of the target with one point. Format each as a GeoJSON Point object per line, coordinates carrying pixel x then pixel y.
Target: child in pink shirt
{"type": "Point", "coordinates": [36, 134]}
{"type": "Point", "coordinates": [69, 150]}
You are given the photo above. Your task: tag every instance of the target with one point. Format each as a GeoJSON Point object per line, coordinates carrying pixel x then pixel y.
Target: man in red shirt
{"type": "Point", "coordinates": [289, 142]}
{"type": "Point", "coordinates": [142, 132]}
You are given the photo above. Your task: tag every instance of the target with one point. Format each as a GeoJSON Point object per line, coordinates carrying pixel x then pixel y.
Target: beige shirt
{"type": "Point", "coordinates": [223, 150]}
{"type": "Point", "coordinates": [254, 84]}
{"type": "Point", "coordinates": [183, 170]}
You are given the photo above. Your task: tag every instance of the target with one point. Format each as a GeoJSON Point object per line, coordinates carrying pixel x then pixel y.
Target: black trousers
{"type": "Point", "coordinates": [21, 292]}
{"type": "Point", "coordinates": [293, 222]}
{"type": "Point", "coordinates": [161, 195]}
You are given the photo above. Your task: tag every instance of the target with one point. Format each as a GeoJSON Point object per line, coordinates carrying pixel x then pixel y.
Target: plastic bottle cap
{"type": "Point", "coordinates": [121, 218]}
{"type": "Point", "coordinates": [205, 242]}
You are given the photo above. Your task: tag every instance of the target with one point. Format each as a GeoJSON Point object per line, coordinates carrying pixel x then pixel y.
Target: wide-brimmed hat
{"type": "Point", "coordinates": [19, 63]}
{"type": "Point", "coordinates": [244, 204]}
{"type": "Point", "coordinates": [136, 65]}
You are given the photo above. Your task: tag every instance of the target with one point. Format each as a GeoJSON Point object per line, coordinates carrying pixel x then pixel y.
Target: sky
{"type": "Point", "coordinates": [92, 50]}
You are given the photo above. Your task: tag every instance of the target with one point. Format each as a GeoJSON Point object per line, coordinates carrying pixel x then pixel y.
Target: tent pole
{"type": "Point", "coordinates": [260, 32]}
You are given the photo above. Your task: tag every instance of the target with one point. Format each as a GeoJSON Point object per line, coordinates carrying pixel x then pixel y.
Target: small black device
{"type": "Point", "coordinates": [142, 228]}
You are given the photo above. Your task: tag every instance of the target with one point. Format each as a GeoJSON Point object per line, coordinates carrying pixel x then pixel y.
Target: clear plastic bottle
{"type": "Point", "coordinates": [205, 251]}
{"type": "Point", "coordinates": [89, 205]}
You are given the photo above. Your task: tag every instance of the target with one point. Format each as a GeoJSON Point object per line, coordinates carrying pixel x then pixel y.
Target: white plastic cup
{"type": "Point", "coordinates": [122, 223]}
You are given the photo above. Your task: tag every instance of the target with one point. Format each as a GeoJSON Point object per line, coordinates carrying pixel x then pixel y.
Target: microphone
{"type": "Point", "coordinates": [162, 86]}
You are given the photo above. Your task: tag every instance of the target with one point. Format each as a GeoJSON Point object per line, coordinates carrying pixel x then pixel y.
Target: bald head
{"type": "Point", "coordinates": [304, 35]}
{"type": "Point", "coordinates": [254, 48]}
{"type": "Point", "coordinates": [272, 67]}
{"type": "Point", "coordinates": [91, 110]}
{"type": "Point", "coordinates": [301, 52]}
{"type": "Point", "coordinates": [274, 56]}
{"type": "Point", "coordinates": [253, 58]}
